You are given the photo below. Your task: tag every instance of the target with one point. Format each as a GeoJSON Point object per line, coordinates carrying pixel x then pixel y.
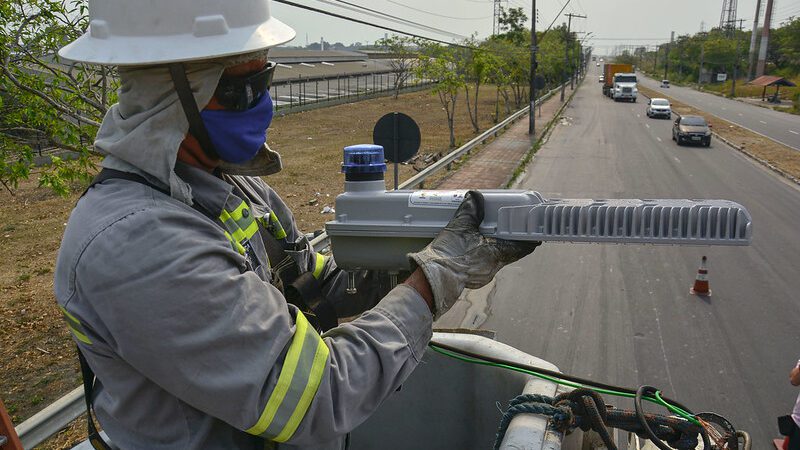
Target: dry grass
{"type": "Point", "coordinates": [779, 155]}
{"type": "Point", "coordinates": [37, 357]}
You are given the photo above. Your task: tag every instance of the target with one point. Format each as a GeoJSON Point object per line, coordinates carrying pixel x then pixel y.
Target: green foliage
{"type": "Point", "coordinates": [722, 51]}
{"type": "Point", "coordinates": [48, 107]}
{"type": "Point", "coordinates": [443, 64]}
{"type": "Point", "coordinates": [785, 49]}
{"type": "Point", "coordinates": [512, 24]}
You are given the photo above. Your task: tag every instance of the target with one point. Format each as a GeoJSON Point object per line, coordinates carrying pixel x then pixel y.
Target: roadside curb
{"type": "Point", "coordinates": [742, 150]}
{"type": "Point", "coordinates": [763, 162]}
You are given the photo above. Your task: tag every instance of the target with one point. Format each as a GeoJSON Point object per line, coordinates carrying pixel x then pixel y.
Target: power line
{"type": "Point", "coordinates": [396, 18]}
{"type": "Point", "coordinates": [435, 14]}
{"type": "Point", "coordinates": [555, 18]}
{"type": "Point", "coordinates": [363, 22]}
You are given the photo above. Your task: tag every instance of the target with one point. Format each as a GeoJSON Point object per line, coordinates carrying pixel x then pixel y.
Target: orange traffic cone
{"type": "Point", "coordinates": [701, 281]}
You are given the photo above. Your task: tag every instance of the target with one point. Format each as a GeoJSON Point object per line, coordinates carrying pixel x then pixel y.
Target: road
{"type": "Point", "coordinates": [623, 314]}
{"type": "Point", "coordinates": [781, 127]}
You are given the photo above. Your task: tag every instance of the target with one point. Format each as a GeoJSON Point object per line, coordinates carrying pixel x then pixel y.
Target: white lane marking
{"type": "Point", "coordinates": [659, 139]}
{"type": "Point", "coordinates": [676, 158]}
{"type": "Point", "coordinates": [648, 126]}
{"type": "Point", "coordinates": [763, 122]}
{"type": "Point", "coordinates": [793, 132]}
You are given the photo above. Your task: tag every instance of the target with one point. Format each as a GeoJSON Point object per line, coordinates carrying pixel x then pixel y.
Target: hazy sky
{"type": "Point", "coordinates": [613, 22]}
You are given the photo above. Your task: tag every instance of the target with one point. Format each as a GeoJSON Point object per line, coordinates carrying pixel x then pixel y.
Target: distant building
{"type": "Point", "coordinates": [294, 63]}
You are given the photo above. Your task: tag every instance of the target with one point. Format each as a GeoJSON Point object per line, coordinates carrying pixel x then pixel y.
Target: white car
{"type": "Point", "coordinates": [601, 79]}
{"type": "Point", "coordinates": [659, 107]}
{"type": "Point", "coordinates": [664, 83]}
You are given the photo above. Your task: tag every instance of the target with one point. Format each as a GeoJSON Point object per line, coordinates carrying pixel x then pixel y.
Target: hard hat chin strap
{"type": "Point", "coordinates": [190, 109]}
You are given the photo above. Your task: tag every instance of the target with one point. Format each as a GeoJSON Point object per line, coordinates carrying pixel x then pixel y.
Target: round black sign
{"type": "Point", "coordinates": [399, 136]}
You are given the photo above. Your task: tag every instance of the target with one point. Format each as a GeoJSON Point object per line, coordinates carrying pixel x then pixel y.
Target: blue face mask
{"type": "Point", "coordinates": [239, 135]}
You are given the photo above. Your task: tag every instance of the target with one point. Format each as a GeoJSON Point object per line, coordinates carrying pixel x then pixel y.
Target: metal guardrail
{"type": "Point", "coordinates": [50, 420]}
{"type": "Point", "coordinates": [59, 414]}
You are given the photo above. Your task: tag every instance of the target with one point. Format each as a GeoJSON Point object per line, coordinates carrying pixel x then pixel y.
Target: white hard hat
{"type": "Point", "coordinates": [144, 32]}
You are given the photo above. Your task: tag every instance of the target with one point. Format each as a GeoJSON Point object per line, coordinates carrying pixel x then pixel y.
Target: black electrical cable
{"type": "Point", "coordinates": [438, 15]}
{"type": "Point", "coordinates": [637, 404]}
{"type": "Point", "coordinates": [397, 18]}
{"type": "Point", "coordinates": [364, 22]}
{"type": "Point", "coordinates": [549, 373]}
{"type": "Point", "coordinates": [554, 20]}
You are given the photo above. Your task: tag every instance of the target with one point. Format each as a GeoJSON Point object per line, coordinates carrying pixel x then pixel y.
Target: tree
{"type": "Point", "coordinates": [476, 63]}
{"type": "Point", "coordinates": [512, 24]}
{"type": "Point", "coordinates": [50, 108]}
{"type": "Point", "coordinates": [403, 59]}
{"type": "Point", "coordinates": [438, 63]}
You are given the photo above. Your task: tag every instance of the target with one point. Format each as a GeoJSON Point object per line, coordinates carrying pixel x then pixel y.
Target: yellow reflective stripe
{"type": "Point", "coordinates": [236, 214]}
{"type": "Point", "coordinates": [278, 230]}
{"type": "Point", "coordinates": [318, 266]}
{"type": "Point", "coordinates": [80, 336]}
{"type": "Point", "coordinates": [75, 326]}
{"type": "Point", "coordinates": [285, 378]}
{"type": "Point", "coordinates": [66, 313]}
{"type": "Point", "coordinates": [251, 230]}
{"type": "Point", "coordinates": [235, 244]}
{"type": "Point", "coordinates": [314, 379]}
{"type": "Point", "coordinates": [235, 220]}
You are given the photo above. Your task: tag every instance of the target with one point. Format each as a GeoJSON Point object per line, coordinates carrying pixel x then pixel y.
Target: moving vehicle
{"type": "Point", "coordinates": [691, 129]}
{"type": "Point", "coordinates": [659, 107]}
{"type": "Point", "coordinates": [624, 87]}
{"type": "Point", "coordinates": [601, 78]}
{"type": "Point", "coordinates": [609, 70]}
{"type": "Point", "coordinates": [664, 83]}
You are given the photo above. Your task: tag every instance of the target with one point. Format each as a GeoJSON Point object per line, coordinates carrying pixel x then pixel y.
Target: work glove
{"type": "Point", "coordinates": [460, 256]}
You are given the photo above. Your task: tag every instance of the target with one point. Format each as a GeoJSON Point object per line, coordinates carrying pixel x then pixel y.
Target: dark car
{"type": "Point", "coordinates": [691, 129]}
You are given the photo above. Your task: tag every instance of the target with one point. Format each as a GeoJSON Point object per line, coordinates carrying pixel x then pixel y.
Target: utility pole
{"type": "Point", "coordinates": [498, 9]}
{"type": "Point", "coordinates": [736, 63]}
{"type": "Point", "coordinates": [751, 66]}
{"type": "Point", "coordinates": [666, 55]}
{"type": "Point", "coordinates": [702, 57]}
{"type": "Point", "coordinates": [566, 55]}
{"type": "Point", "coordinates": [762, 52]}
{"type": "Point", "coordinates": [655, 58]}
{"type": "Point", "coordinates": [532, 87]}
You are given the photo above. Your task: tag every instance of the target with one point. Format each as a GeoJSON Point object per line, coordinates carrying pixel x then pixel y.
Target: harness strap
{"type": "Point", "coordinates": [196, 126]}
{"type": "Point", "coordinates": [88, 387]}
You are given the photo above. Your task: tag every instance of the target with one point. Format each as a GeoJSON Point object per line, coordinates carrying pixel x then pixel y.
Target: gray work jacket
{"type": "Point", "coordinates": [192, 346]}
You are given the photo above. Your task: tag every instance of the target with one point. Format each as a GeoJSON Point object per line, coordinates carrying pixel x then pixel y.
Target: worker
{"type": "Point", "coordinates": [183, 276]}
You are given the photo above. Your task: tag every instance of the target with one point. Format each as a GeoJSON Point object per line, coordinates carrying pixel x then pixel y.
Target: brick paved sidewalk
{"type": "Point", "coordinates": [493, 165]}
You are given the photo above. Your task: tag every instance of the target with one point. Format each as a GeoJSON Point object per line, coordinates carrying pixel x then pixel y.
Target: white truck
{"type": "Point", "coordinates": [624, 87]}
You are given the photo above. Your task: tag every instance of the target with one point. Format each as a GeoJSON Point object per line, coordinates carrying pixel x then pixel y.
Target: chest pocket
{"type": "Point", "coordinates": [240, 226]}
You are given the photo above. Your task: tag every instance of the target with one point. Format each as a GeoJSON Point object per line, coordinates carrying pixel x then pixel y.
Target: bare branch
{"type": "Point", "coordinates": [5, 185]}
{"type": "Point", "coordinates": [47, 99]}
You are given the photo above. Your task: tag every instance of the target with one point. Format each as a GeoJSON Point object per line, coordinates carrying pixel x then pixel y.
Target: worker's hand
{"type": "Point", "coordinates": [461, 257]}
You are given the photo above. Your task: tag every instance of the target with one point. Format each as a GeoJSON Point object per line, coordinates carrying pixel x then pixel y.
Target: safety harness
{"type": "Point", "coordinates": [302, 290]}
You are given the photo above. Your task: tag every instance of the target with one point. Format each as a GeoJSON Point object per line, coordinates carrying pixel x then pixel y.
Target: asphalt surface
{"type": "Point", "coordinates": [623, 314]}
{"type": "Point", "coordinates": [779, 126]}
